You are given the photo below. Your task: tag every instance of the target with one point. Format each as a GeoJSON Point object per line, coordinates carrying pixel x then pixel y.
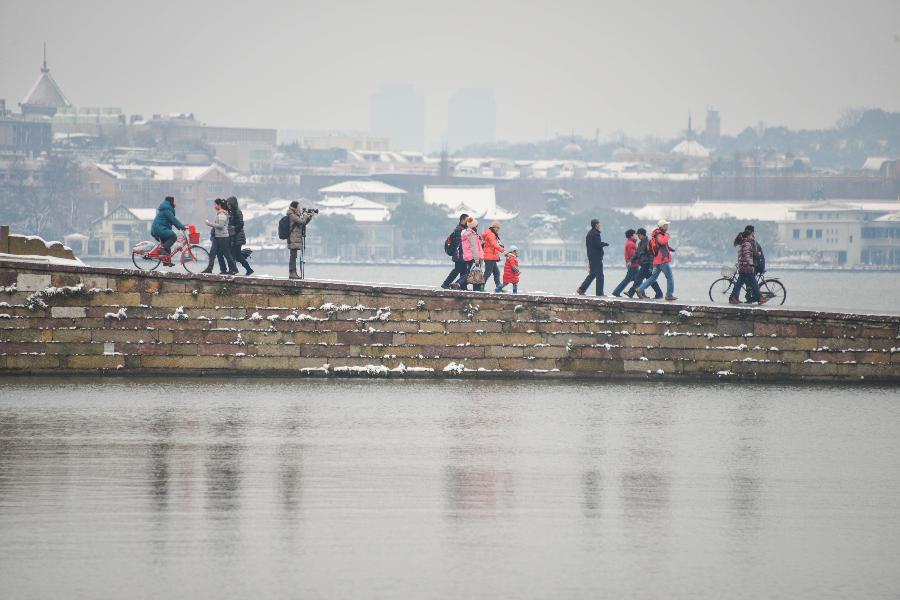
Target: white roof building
{"type": "Point", "coordinates": [774, 210]}
{"type": "Point", "coordinates": [361, 209]}
{"type": "Point", "coordinates": [361, 188]}
{"type": "Point", "coordinates": [691, 148]}
{"type": "Point", "coordinates": [478, 201]}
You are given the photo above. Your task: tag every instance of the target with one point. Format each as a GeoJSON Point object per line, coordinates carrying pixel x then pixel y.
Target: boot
{"type": "Point", "coordinates": [293, 275]}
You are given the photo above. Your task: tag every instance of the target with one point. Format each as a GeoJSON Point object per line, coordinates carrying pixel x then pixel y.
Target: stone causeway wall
{"type": "Point", "coordinates": [31, 245]}
{"type": "Point", "coordinates": [111, 321]}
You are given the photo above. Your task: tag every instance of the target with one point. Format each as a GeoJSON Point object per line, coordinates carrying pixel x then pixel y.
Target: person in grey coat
{"type": "Point", "coordinates": [297, 238]}
{"type": "Point", "coordinates": [222, 245]}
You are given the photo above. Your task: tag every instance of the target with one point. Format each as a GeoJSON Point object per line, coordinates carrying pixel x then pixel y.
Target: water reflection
{"type": "Point", "coordinates": [744, 465]}
{"type": "Point", "coordinates": [644, 481]}
{"type": "Point", "coordinates": [478, 481]}
{"type": "Point", "coordinates": [223, 465]}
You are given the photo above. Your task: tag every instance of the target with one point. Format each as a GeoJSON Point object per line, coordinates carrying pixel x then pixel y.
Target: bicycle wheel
{"type": "Point", "coordinates": [194, 259]}
{"type": "Point", "coordinates": [144, 262]}
{"type": "Point", "coordinates": [773, 290]}
{"type": "Point", "coordinates": [720, 289]}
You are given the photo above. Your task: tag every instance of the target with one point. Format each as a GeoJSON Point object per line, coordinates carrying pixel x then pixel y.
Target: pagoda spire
{"type": "Point", "coordinates": [45, 69]}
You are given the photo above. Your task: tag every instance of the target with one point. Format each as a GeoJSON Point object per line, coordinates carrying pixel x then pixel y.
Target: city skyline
{"type": "Point", "coordinates": [583, 68]}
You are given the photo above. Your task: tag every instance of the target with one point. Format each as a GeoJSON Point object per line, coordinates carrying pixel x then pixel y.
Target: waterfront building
{"type": "Point", "coordinates": [115, 233]}
{"type": "Point", "coordinates": [843, 234]}
{"type": "Point", "coordinates": [376, 191]}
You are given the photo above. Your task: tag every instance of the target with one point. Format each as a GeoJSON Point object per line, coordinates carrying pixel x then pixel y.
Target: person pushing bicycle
{"type": "Point", "coordinates": [161, 230]}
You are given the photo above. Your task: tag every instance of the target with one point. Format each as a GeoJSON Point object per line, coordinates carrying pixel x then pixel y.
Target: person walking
{"type": "Point", "coordinates": [297, 236]}
{"type": "Point", "coordinates": [213, 248]}
{"type": "Point", "coordinates": [594, 243]}
{"type": "Point", "coordinates": [236, 233]}
{"type": "Point", "coordinates": [632, 268]}
{"type": "Point", "coordinates": [662, 257]}
{"type": "Point", "coordinates": [644, 260]}
{"type": "Point", "coordinates": [161, 229]}
{"type": "Point", "coordinates": [472, 250]}
{"type": "Point", "coordinates": [510, 271]}
{"type": "Point", "coordinates": [223, 241]}
{"type": "Point", "coordinates": [492, 251]}
{"type": "Point", "coordinates": [453, 248]}
{"type": "Point", "coordinates": [746, 269]}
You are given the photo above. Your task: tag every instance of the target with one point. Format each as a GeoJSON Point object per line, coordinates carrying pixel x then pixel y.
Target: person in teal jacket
{"type": "Point", "coordinates": [161, 230]}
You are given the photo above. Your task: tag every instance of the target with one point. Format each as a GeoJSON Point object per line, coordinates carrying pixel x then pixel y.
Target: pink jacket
{"type": "Point", "coordinates": [472, 248]}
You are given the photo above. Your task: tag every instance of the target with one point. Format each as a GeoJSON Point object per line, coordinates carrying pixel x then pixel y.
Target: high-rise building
{"type": "Point", "coordinates": [471, 117]}
{"type": "Point", "coordinates": [398, 113]}
{"type": "Point", "coordinates": [712, 132]}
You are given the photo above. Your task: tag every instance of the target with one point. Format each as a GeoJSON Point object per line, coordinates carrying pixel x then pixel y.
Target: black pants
{"type": "Point", "coordinates": [166, 242]}
{"type": "Point", "coordinates": [223, 252]}
{"type": "Point", "coordinates": [292, 263]}
{"type": "Point", "coordinates": [461, 271]}
{"type": "Point", "coordinates": [646, 271]}
{"type": "Point", "coordinates": [236, 253]}
{"type": "Point", "coordinates": [595, 271]}
{"type": "Point", "coordinates": [491, 268]}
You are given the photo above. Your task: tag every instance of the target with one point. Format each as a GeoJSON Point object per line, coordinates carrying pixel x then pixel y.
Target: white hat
{"type": "Point", "coordinates": [662, 223]}
{"type": "Point", "coordinates": [512, 249]}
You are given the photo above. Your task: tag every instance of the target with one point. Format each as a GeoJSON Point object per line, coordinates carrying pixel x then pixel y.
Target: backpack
{"type": "Point", "coordinates": [448, 245]}
{"type": "Point", "coordinates": [654, 246]}
{"type": "Point", "coordinates": [284, 228]}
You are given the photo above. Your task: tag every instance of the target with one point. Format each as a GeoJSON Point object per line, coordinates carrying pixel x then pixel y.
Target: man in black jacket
{"type": "Point", "coordinates": [645, 260]}
{"type": "Point", "coordinates": [595, 245]}
{"type": "Point", "coordinates": [460, 267]}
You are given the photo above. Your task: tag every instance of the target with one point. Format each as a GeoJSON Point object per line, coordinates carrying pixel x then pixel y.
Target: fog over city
{"type": "Point", "coordinates": [637, 68]}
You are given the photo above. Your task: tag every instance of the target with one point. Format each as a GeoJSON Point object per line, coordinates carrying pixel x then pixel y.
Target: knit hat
{"type": "Point", "coordinates": [662, 223]}
{"type": "Point", "coordinates": [512, 249]}
{"type": "Point", "coordinates": [471, 223]}
{"type": "Point", "coordinates": [495, 224]}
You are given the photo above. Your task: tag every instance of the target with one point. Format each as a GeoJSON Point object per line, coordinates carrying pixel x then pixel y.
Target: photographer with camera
{"type": "Point", "coordinates": [296, 220]}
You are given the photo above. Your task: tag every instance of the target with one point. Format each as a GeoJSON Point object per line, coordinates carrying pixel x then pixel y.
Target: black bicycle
{"type": "Point", "coordinates": [772, 289]}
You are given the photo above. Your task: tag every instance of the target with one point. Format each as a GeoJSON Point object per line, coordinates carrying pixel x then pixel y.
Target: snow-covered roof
{"type": "Point", "coordinates": [874, 163]}
{"type": "Point", "coordinates": [361, 209]}
{"type": "Point", "coordinates": [478, 201]}
{"type": "Point", "coordinates": [160, 172]}
{"type": "Point", "coordinates": [691, 148]}
{"type": "Point", "coordinates": [144, 214]}
{"type": "Point", "coordinates": [893, 217]}
{"type": "Point", "coordinates": [45, 92]}
{"type": "Point", "coordinates": [357, 187]}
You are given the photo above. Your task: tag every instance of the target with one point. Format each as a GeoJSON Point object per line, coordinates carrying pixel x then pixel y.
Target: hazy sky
{"type": "Point", "coordinates": [637, 67]}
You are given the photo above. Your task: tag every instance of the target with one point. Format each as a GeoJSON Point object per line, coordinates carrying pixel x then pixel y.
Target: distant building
{"type": "Point", "coordinates": [23, 136]}
{"type": "Point", "coordinates": [376, 191]}
{"type": "Point", "coordinates": [136, 185]}
{"type": "Point", "coordinates": [843, 235]}
{"type": "Point", "coordinates": [398, 113]}
{"type": "Point", "coordinates": [45, 97]}
{"type": "Point", "coordinates": [376, 240]}
{"type": "Point", "coordinates": [115, 233]}
{"type": "Point", "coordinates": [341, 141]}
{"type": "Point", "coordinates": [712, 134]}
{"type": "Point", "coordinates": [471, 118]}
{"type": "Point", "coordinates": [478, 201]}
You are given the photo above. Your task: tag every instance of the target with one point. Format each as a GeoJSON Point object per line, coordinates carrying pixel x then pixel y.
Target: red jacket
{"type": "Point", "coordinates": [630, 249]}
{"type": "Point", "coordinates": [492, 247]}
{"type": "Point", "coordinates": [511, 270]}
{"type": "Point", "coordinates": [662, 242]}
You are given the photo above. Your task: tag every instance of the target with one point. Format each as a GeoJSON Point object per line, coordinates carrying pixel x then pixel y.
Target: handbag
{"type": "Point", "coordinates": [476, 276]}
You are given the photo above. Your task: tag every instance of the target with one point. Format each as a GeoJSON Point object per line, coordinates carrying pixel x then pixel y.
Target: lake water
{"type": "Point", "coordinates": [850, 291]}
{"type": "Point", "coordinates": [243, 488]}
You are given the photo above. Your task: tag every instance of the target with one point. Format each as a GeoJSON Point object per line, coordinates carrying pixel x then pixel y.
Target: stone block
{"type": "Point", "coordinates": [475, 327]}
{"type": "Point", "coordinates": [329, 350]}
{"type": "Point", "coordinates": [111, 361]}
{"type": "Point", "coordinates": [666, 366]}
{"type": "Point", "coordinates": [123, 335]}
{"type": "Point", "coordinates": [453, 351]}
{"type": "Point", "coordinates": [28, 362]}
{"type": "Point", "coordinates": [185, 362]}
{"type": "Point", "coordinates": [504, 351]}
{"type": "Point", "coordinates": [68, 312]}
{"type": "Point", "coordinates": [32, 282]}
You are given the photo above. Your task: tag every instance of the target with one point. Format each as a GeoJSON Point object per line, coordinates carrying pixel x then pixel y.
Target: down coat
{"type": "Point", "coordinates": [472, 248]}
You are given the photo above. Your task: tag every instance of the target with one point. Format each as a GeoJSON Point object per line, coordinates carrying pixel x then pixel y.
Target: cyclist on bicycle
{"type": "Point", "coordinates": [161, 230]}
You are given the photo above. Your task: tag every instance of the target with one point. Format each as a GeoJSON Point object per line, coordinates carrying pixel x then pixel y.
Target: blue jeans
{"type": "Point", "coordinates": [670, 280]}
{"type": "Point", "coordinates": [630, 275]}
{"type": "Point", "coordinates": [750, 280]}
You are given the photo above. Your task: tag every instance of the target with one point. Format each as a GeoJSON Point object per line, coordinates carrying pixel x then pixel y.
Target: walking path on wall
{"type": "Point", "coordinates": [92, 320]}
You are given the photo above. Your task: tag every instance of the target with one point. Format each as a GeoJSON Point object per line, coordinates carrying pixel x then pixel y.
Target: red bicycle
{"type": "Point", "coordinates": [148, 255]}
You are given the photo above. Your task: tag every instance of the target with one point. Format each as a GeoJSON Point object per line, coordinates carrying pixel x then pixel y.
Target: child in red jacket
{"type": "Point", "coordinates": [511, 270]}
